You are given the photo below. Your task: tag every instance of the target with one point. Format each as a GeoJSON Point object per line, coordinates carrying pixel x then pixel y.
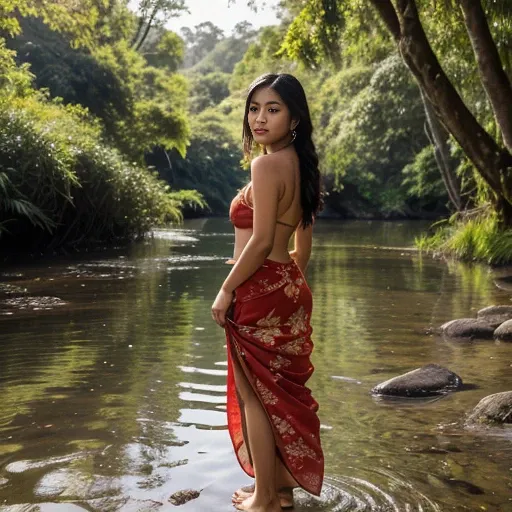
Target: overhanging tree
{"type": "Point", "coordinates": [492, 161]}
{"type": "Point", "coordinates": [490, 157]}
{"type": "Point", "coordinates": [155, 13]}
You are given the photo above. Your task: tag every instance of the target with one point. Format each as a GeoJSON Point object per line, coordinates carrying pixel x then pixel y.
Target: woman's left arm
{"type": "Point", "coordinates": [265, 197]}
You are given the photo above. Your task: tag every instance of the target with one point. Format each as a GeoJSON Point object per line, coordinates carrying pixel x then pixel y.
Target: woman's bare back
{"type": "Point", "coordinates": [289, 210]}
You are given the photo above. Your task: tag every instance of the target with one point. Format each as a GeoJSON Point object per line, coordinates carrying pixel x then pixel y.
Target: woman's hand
{"type": "Point", "coordinates": [221, 305]}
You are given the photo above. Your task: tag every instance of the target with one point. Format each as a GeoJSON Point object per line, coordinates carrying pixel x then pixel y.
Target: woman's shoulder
{"type": "Point", "coordinates": [271, 161]}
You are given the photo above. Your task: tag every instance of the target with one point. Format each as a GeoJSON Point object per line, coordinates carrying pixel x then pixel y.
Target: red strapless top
{"type": "Point", "coordinates": [240, 213]}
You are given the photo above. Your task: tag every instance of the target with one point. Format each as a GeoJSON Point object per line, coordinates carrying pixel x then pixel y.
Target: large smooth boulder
{"type": "Point", "coordinates": [429, 380]}
{"type": "Point", "coordinates": [495, 315]}
{"type": "Point", "coordinates": [468, 328]}
{"type": "Point", "coordinates": [493, 409]}
{"type": "Point", "coordinates": [495, 310]}
{"type": "Point", "coordinates": [504, 331]}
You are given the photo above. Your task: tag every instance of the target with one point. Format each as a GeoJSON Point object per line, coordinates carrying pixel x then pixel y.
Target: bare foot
{"type": "Point", "coordinates": [284, 494]}
{"type": "Point", "coordinates": [251, 505]}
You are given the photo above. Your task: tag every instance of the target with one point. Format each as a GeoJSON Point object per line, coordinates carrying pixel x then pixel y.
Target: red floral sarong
{"type": "Point", "coordinates": [269, 331]}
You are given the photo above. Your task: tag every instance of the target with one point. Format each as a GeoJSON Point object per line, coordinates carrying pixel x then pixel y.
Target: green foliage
{"type": "Point", "coordinates": [76, 19]}
{"type": "Point", "coordinates": [13, 79]}
{"type": "Point", "coordinates": [56, 169]}
{"type": "Point", "coordinates": [154, 14]}
{"type": "Point", "coordinates": [141, 106]}
{"type": "Point", "coordinates": [261, 57]}
{"type": "Point", "coordinates": [61, 184]}
{"type": "Point", "coordinates": [479, 238]}
{"type": "Point", "coordinates": [208, 90]}
{"type": "Point", "coordinates": [211, 166]}
{"type": "Point", "coordinates": [164, 51]}
{"type": "Point", "coordinates": [14, 203]}
{"type": "Point", "coordinates": [314, 35]}
{"type": "Point", "coordinates": [422, 178]}
{"type": "Point", "coordinates": [374, 133]}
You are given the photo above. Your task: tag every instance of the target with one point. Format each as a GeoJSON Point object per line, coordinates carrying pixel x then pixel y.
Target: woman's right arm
{"type": "Point", "coordinates": [302, 246]}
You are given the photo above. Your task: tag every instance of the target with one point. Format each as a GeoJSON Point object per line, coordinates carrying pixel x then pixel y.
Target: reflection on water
{"type": "Point", "coordinates": [113, 377]}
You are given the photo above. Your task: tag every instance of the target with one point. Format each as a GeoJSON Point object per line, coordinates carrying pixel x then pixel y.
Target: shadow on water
{"type": "Point", "coordinates": [113, 377]}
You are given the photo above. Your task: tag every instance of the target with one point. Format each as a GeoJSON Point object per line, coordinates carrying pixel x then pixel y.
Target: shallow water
{"type": "Point", "coordinates": [112, 379]}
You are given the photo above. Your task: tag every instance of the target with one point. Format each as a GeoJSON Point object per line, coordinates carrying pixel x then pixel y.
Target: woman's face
{"type": "Point", "coordinates": [269, 118]}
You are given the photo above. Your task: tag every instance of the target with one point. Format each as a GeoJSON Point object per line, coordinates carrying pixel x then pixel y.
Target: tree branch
{"type": "Point", "coordinates": [438, 137]}
{"type": "Point", "coordinates": [148, 27]}
{"type": "Point", "coordinates": [388, 14]}
{"type": "Point", "coordinates": [479, 146]}
{"type": "Point", "coordinates": [494, 79]}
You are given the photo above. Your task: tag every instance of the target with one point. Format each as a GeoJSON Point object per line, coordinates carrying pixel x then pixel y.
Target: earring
{"type": "Point", "coordinates": [294, 136]}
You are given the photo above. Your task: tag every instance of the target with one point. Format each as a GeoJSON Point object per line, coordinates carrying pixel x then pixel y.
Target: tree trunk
{"type": "Point", "coordinates": [438, 137]}
{"type": "Point", "coordinates": [146, 32]}
{"type": "Point", "coordinates": [137, 33]}
{"type": "Point", "coordinates": [492, 162]}
{"type": "Point", "coordinates": [494, 79]}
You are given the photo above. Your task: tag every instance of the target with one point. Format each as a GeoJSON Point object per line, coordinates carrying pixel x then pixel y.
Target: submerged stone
{"type": "Point", "coordinates": [468, 328]}
{"type": "Point", "coordinates": [431, 379]}
{"type": "Point", "coordinates": [495, 310]}
{"type": "Point", "coordinates": [496, 315]}
{"type": "Point", "coordinates": [504, 331]}
{"type": "Point", "coordinates": [495, 408]}
{"type": "Point", "coordinates": [182, 497]}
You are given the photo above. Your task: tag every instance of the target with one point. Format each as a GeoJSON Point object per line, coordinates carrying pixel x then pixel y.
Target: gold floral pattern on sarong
{"type": "Point", "coordinates": [292, 289]}
{"type": "Point", "coordinates": [298, 321]}
{"type": "Point", "coordinates": [312, 479]}
{"type": "Point", "coordinates": [267, 336]}
{"type": "Point", "coordinates": [282, 426]}
{"type": "Point", "coordinates": [266, 395]}
{"type": "Point", "coordinates": [279, 362]}
{"type": "Point", "coordinates": [269, 329]}
{"type": "Point", "coordinates": [294, 347]}
{"type": "Point", "coordinates": [270, 320]}
{"type": "Point", "coordinates": [300, 449]}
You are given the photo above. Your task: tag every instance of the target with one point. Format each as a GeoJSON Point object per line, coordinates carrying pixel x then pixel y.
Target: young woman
{"type": "Point", "coordinates": [265, 304]}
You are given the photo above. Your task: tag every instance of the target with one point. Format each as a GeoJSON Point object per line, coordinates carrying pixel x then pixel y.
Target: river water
{"type": "Point", "coordinates": [112, 377]}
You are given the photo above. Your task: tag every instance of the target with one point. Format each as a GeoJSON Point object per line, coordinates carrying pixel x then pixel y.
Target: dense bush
{"type": "Point", "coordinates": [211, 166]}
{"type": "Point", "coordinates": [64, 186]}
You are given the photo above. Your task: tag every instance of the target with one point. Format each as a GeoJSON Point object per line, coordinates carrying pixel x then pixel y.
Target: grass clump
{"type": "Point", "coordinates": [475, 238]}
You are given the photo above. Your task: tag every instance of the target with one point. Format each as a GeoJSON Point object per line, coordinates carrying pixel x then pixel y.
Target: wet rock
{"type": "Point", "coordinates": [504, 331]}
{"type": "Point", "coordinates": [182, 497]}
{"type": "Point", "coordinates": [463, 485]}
{"type": "Point", "coordinates": [468, 328]}
{"type": "Point", "coordinates": [428, 380]}
{"type": "Point", "coordinates": [496, 315]}
{"type": "Point", "coordinates": [495, 321]}
{"type": "Point", "coordinates": [504, 283]}
{"type": "Point", "coordinates": [495, 408]}
{"type": "Point", "coordinates": [495, 310]}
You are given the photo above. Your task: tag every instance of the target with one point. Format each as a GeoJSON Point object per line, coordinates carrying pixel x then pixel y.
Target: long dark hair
{"type": "Point", "coordinates": [291, 92]}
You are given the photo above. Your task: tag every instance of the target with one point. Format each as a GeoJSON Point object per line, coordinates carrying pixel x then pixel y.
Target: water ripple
{"type": "Point", "coordinates": [345, 493]}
